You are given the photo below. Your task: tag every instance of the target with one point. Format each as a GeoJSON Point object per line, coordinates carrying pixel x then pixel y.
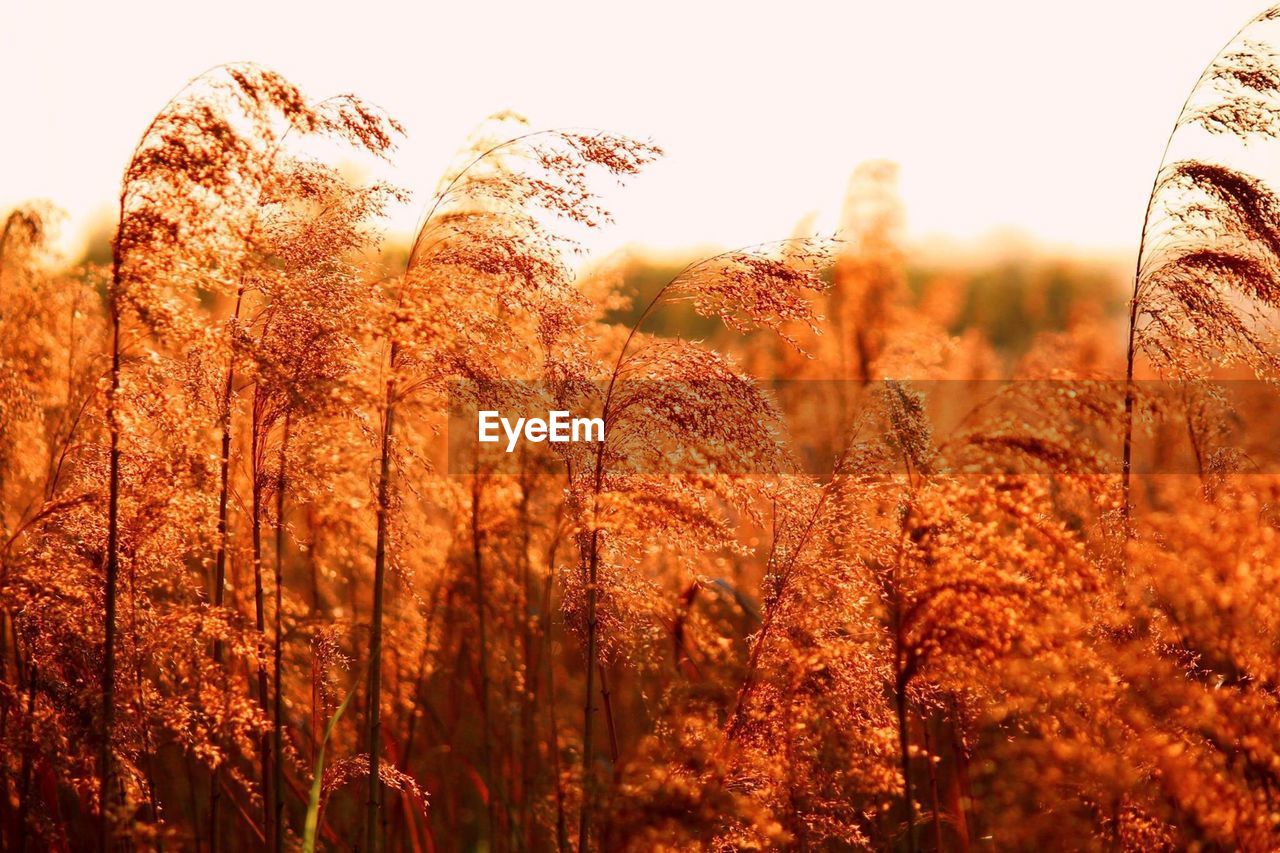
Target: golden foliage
{"type": "Point", "coordinates": [896, 605]}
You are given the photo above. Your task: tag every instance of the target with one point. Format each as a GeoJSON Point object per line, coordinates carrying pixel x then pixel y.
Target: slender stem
{"type": "Point", "coordinates": [260, 622]}
{"type": "Point", "coordinates": [374, 800]}
{"type": "Point", "coordinates": [277, 720]}
{"type": "Point", "coordinates": [588, 715]}
{"type": "Point", "coordinates": [608, 716]}
{"type": "Point", "coordinates": [593, 557]}
{"type": "Point", "coordinates": [1134, 300]}
{"type": "Point", "coordinates": [903, 671]}
{"type": "Point", "coordinates": [904, 746]}
{"type": "Point", "coordinates": [528, 695]}
{"type": "Point", "coordinates": [28, 751]}
{"type": "Point", "coordinates": [220, 559]}
{"type": "Point", "coordinates": [5, 702]}
{"type": "Point", "coordinates": [593, 564]}
{"type": "Point", "coordinates": [477, 557]}
{"type": "Point", "coordinates": [960, 784]}
{"type": "Point", "coordinates": [932, 770]}
{"type": "Point", "coordinates": [107, 765]}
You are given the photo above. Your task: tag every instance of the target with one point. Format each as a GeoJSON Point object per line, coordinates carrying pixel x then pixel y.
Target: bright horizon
{"type": "Point", "coordinates": [1003, 119]}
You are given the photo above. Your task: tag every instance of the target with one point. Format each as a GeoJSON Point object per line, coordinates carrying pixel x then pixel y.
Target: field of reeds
{"type": "Point", "coordinates": [876, 553]}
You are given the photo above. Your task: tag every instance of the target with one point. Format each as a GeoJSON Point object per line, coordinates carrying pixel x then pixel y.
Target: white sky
{"type": "Point", "coordinates": [1045, 118]}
